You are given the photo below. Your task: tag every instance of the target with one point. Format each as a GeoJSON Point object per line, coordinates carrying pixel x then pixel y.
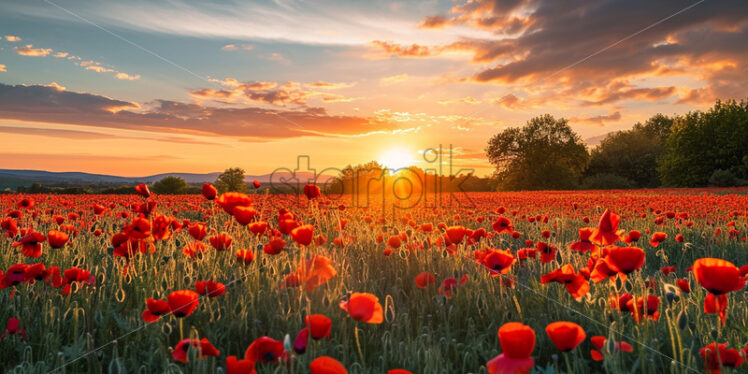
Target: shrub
{"type": "Point", "coordinates": [723, 178]}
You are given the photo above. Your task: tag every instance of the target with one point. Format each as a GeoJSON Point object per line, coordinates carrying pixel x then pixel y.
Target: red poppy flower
{"type": "Point", "coordinates": [15, 274]}
{"type": "Point", "coordinates": [244, 214]}
{"type": "Point", "coordinates": [264, 349]}
{"type": "Point", "coordinates": [57, 239]}
{"type": "Point", "coordinates": [398, 371]}
{"type": "Point", "coordinates": [599, 343]}
{"type": "Point", "coordinates": [497, 261]}
{"type": "Point", "coordinates": [394, 241]}
{"type": "Point", "coordinates": [26, 203]}
{"type": "Point", "coordinates": [632, 236]}
{"type": "Point", "coordinates": [9, 226]}
{"type": "Point", "coordinates": [547, 252]}
{"type": "Point", "coordinates": [607, 232]}
{"type": "Point", "coordinates": [311, 191]}
{"type": "Point", "coordinates": [234, 366]}
{"type": "Point", "coordinates": [139, 228]}
{"type": "Point", "coordinates": [245, 256]}
{"type": "Point", "coordinates": [639, 310]}
{"type": "Point", "coordinates": [503, 226]}
{"type": "Point", "coordinates": [363, 307]}
{"type": "Point", "coordinates": [210, 288]}
{"type": "Point", "coordinates": [142, 190]}
{"type": "Point", "coordinates": [31, 244]}
{"type": "Point", "coordinates": [326, 365]}
{"type": "Point", "coordinates": [301, 341]}
{"type": "Point", "coordinates": [319, 326]}
{"type": "Point", "coordinates": [209, 191]}
{"type": "Point", "coordinates": [424, 279]}
{"type": "Point", "coordinates": [565, 335]}
{"type": "Point", "coordinates": [258, 228]}
{"type": "Point", "coordinates": [718, 276]}
{"type": "Point", "coordinates": [455, 234]}
{"type": "Point", "coordinates": [620, 302]}
{"type": "Point", "coordinates": [230, 200]}
{"type": "Point", "coordinates": [303, 234]}
{"type": "Point", "coordinates": [194, 249]}
{"type": "Point", "coordinates": [716, 304]}
{"type": "Point", "coordinates": [668, 270]}
{"type": "Point", "coordinates": [155, 309]}
{"type": "Point", "coordinates": [576, 284]}
{"type": "Point", "coordinates": [517, 342]}
{"type": "Point", "coordinates": [683, 285]}
{"type": "Point", "coordinates": [275, 246]}
{"type": "Point", "coordinates": [221, 241]}
{"type": "Point", "coordinates": [183, 303]}
{"type": "Point", "coordinates": [718, 355]}
{"type": "Point", "coordinates": [316, 272]}
{"type": "Point", "coordinates": [256, 183]}
{"type": "Point", "coordinates": [584, 244]}
{"type": "Point", "coordinates": [203, 346]}
{"type": "Point", "coordinates": [448, 285]}
{"type": "Point", "coordinates": [12, 328]}
{"type": "Point", "coordinates": [625, 259]}
{"type": "Point", "coordinates": [657, 238]}
{"type": "Point", "coordinates": [198, 231]}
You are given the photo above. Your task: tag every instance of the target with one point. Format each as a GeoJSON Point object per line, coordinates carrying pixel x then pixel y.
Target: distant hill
{"type": "Point", "coordinates": [13, 178]}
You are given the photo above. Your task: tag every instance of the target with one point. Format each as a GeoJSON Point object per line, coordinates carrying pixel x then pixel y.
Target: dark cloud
{"type": "Point", "coordinates": [53, 104]}
{"type": "Point", "coordinates": [538, 41]}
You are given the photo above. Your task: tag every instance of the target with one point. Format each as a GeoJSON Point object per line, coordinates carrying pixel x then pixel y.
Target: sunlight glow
{"type": "Point", "coordinates": [396, 158]}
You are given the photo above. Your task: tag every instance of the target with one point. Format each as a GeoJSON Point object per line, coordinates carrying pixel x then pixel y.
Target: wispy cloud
{"type": "Point", "coordinates": [12, 38]}
{"type": "Point", "coordinates": [3, 68]}
{"type": "Point", "coordinates": [394, 79]}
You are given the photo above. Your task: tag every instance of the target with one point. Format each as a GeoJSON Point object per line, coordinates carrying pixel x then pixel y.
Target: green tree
{"type": "Point", "coordinates": [170, 186]}
{"type": "Point", "coordinates": [702, 142]}
{"type": "Point", "coordinates": [632, 154]}
{"type": "Point", "coordinates": [544, 154]}
{"type": "Point", "coordinates": [231, 180]}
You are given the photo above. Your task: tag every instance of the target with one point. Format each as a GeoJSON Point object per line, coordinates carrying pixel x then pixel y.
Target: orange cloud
{"type": "Point", "coordinates": [392, 49]}
{"type": "Point", "coordinates": [125, 76]}
{"type": "Point", "coordinates": [2, 68]}
{"type": "Point", "coordinates": [12, 38]}
{"type": "Point", "coordinates": [51, 105]}
{"type": "Point", "coordinates": [597, 120]}
{"type": "Point", "coordinates": [29, 50]}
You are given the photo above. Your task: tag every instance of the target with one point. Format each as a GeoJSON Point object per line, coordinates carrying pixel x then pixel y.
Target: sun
{"type": "Point", "coordinates": [396, 158]}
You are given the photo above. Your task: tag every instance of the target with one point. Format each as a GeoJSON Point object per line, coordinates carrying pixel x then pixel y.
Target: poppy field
{"type": "Point", "coordinates": [638, 281]}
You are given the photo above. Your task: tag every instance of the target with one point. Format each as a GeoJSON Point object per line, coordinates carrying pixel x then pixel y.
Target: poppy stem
{"type": "Point", "coordinates": [358, 345]}
{"type": "Point", "coordinates": [181, 334]}
{"type": "Point", "coordinates": [568, 363]}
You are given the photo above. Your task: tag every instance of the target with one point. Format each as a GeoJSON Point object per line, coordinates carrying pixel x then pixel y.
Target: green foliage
{"type": "Point", "coordinates": [231, 180]}
{"type": "Point", "coordinates": [632, 154]}
{"type": "Point", "coordinates": [702, 142]}
{"type": "Point", "coordinates": [722, 178]}
{"type": "Point", "coordinates": [606, 181]}
{"type": "Point", "coordinates": [544, 154]}
{"type": "Point", "coordinates": [170, 186]}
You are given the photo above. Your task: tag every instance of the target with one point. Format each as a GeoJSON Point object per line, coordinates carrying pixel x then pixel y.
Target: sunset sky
{"type": "Point", "coordinates": [143, 87]}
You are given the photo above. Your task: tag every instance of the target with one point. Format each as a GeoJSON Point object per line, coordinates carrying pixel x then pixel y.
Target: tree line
{"type": "Point", "coordinates": [697, 149]}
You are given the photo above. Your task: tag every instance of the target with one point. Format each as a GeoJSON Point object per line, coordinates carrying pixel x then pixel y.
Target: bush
{"type": "Point", "coordinates": [606, 181]}
{"type": "Point", "coordinates": [723, 178]}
